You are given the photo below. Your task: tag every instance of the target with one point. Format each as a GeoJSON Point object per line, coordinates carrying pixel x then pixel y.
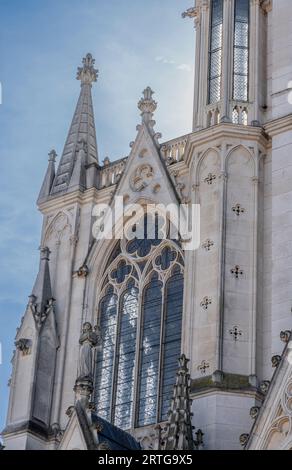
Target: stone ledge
{"type": "Point", "coordinates": [222, 381]}
{"type": "Point", "coordinates": [33, 427]}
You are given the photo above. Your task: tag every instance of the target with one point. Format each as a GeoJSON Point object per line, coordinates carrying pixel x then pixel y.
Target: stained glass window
{"type": "Point", "coordinates": [135, 368]}
{"type": "Point", "coordinates": [215, 52]}
{"type": "Point", "coordinates": [150, 352]}
{"type": "Point", "coordinates": [241, 51]}
{"type": "Point", "coordinates": [106, 354]}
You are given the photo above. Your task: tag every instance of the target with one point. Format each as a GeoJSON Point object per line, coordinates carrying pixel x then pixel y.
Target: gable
{"type": "Point", "coordinates": [273, 427]}
{"type": "Point", "coordinates": [145, 176]}
{"type": "Point", "coordinates": [73, 438]}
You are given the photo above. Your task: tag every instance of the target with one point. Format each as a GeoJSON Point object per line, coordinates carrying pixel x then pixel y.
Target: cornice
{"type": "Point", "coordinates": [278, 126]}
{"type": "Point", "coordinates": [92, 195]}
{"type": "Point", "coordinates": [225, 131]}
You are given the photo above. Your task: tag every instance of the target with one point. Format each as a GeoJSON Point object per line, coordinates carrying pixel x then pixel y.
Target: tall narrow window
{"type": "Point", "coordinates": [215, 52]}
{"type": "Point", "coordinates": [241, 51]}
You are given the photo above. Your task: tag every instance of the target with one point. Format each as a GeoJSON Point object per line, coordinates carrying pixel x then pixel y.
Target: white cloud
{"type": "Point", "coordinates": [184, 67]}
{"type": "Point", "coordinates": [164, 60]}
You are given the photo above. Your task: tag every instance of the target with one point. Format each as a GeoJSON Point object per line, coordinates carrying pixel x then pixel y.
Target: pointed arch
{"type": "Point", "coordinates": [137, 309]}
{"type": "Point", "coordinates": [60, 223]}
{"type": "Point", "coordinates": [246, 150]}
{"type": "Point", "coordinates": [197, 169]}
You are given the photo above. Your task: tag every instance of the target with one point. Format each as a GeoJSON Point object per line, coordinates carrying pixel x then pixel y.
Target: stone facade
{"type": "Point", "coordinates": [238, 283]}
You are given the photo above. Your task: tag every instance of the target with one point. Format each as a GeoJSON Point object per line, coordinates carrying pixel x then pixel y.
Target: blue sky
{"type": "Point", "coordinates": [135, 43]}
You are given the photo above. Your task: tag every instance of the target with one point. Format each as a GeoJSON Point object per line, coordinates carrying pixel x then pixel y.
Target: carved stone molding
{"type": "Point", "coordinates": [264, 386]}
{"type": "Point", "coordinates": [266, 5]}
{"type": "Point", "coordinates": [141, 178]}
{"type": "Point", "coordinates": [244, 439]}
{"type": "Point", "coordinates": [208, 244]}
{"type": "Point", "coordinates": [236, 333]}
{"type": "Point", "coordinates": [24, 346]}
{"type": "Point", "coordinates": [254, 411]}
{"type": "Point", "coordinates": [87, 74]}
{"type": "Point", "coordinates": [238, 210]}
{"type": "Point", "coordinates": [210, 178]}
{"type": "Point", "coordinates": [70, 411]}
{"type": "Point", "coordinates": [206, 302]}
{"type": "Point", "coordinates": [40, 315]}
{"type": "Point", "coordinates": [203, 367]}
{"type": "Point", "coordinates": [83, 271]}
{"type": "Point", "coordinates": [237, 272]}
{"type": "Point", "coordinates": [276, 360]}
{"type": "Point", "coordinates": [285, 336]}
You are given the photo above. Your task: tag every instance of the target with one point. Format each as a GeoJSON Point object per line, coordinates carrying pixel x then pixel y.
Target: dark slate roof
{"type": "Point", "coordinates": [114, 437]}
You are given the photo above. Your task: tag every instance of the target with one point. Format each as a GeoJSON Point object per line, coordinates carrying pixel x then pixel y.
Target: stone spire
{"type": "Point", "coordinates": [179, 434]}
{"type": "Point", "coordinates": [81, 136]}
{"type": "Point", "coordinates": [49, 177]}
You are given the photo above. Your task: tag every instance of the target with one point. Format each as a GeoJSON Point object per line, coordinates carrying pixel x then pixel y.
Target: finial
{"type": "Point", "coordinates": [52, 156]}
{"type": "Point", "coordinates": [87, 74]}
{"type": "Point", "coordinates": [45, 253]}
{"type": "Point", "coordinates": [147, 105]}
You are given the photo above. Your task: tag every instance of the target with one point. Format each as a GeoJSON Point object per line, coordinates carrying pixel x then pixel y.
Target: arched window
{"type": "Point", "coordinates": [215, 51]}
{"type": "Point", "coordinates": [241, 50]}
{"type": "Point", "coordinates": [140, 316]}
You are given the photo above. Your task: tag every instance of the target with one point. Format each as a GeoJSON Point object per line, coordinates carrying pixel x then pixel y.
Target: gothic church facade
{"type": "Point", "coordinates": [96, 359]}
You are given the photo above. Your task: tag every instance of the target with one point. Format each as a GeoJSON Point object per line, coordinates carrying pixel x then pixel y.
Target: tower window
{"type": "Point", "coordinates": [215, 52]}
{"type": "Point", "coordinates": [140, 317]}
{"type": "Point", "coordinates": [241, 51]}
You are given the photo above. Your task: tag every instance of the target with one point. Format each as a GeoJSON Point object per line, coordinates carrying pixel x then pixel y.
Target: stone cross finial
{"type": "Point", "coordinates": [52, 156]}
{"type": "Point", "coordinates": [87, 74]}
{"type": "Point", "coordinates": [147, 105]}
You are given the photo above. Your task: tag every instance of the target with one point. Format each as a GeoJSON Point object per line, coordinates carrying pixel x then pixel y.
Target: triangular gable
{"type": "Point", "coordinates": [73, 438]}
{"type": "Point", "coordinates": [145, 176]}
{"type": "Point", "coordinates": [272, 429]}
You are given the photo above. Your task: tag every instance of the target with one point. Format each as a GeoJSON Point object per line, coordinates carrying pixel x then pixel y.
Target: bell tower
{"type": "Point", "coordinates": [230, 60]}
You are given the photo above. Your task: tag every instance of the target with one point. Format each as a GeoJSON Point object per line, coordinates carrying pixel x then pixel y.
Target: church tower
{"type": "Point", "coordinates": [108, 320]}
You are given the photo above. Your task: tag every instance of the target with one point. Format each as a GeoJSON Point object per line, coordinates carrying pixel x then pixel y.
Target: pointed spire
{"type": "Point", "coordinates": [41, 299]}
{"type": "Point", "coordinates": [179, 434]}
{"type": "Point", "coordinates": [49, 177]}
{"type": "Point", "coordinates": [81, 133]}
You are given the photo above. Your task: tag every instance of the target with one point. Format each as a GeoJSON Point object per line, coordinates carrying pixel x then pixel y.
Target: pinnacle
{"type": "Point", "coordinates": [87, 74]}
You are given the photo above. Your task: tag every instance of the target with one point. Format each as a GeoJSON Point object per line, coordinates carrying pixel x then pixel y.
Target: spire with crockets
{"type": "Point", "coordinates": [79, 161]}
{"type": "Point", "coordinates": [179, 434]}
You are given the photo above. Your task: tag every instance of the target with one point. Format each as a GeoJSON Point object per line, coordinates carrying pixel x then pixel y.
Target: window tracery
{"type": "Point", "coordinates": [140, 316]}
